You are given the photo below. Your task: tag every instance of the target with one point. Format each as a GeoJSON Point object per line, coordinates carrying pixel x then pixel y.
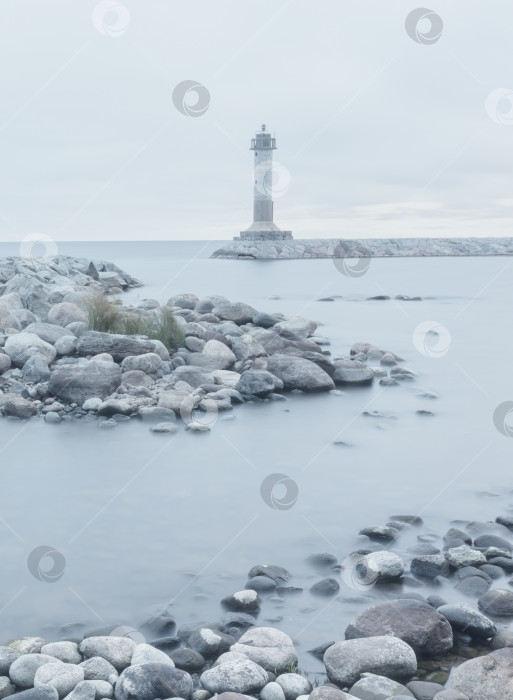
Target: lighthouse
{"type": "Point", "coordinates": [263, 227]}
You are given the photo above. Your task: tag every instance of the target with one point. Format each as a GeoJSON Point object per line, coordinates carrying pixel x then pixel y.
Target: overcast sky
{"type": "Point", "coordinates": [379, 134]}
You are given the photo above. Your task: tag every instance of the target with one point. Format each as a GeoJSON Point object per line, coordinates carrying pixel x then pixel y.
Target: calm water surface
{"type": "Point", "coordinates": [144, 519]}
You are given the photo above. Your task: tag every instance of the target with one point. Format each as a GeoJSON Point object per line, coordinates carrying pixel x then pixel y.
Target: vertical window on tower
{"type": "Point", "coordinates": [256, 154]}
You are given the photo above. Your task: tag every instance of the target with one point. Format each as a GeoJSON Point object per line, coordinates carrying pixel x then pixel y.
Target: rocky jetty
{"type": "Point", "coordinates": [53, 363]}
{"type": "Point", "coordinates": [408, 645]}
{"type": "Point", "coordinates": [368, 247]}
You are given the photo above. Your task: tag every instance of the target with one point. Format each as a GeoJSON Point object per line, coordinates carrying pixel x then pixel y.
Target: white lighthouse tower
{"type": "Point", "coordinates": [263, 227]}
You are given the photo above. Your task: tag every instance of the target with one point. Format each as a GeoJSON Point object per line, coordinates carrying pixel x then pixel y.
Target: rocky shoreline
{"type": "Point", "coordinates": [53, 365]}
{"type": "Point", "coordinates": [369, 247]}
{"type": "Point", "coordinates": [405, 645]}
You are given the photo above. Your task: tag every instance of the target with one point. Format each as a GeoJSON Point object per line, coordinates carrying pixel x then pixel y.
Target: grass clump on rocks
{"type": "Point", "coordinates": [108, 317]}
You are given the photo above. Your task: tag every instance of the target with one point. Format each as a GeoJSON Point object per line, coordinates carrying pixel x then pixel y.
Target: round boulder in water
{"type": "Point", "coordinates": [380, 567]}
{"type": "Point", "coordinates": [498, 603]}
{"type": "Point", "coordinates": [424, 629]}
{"type": "Point", "coordinates": [463, 618]}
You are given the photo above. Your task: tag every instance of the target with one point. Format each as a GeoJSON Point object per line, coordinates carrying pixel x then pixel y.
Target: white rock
{"type": "Point", "coordinates": [147, 654]}
{"type": "Point", "coordinates": [237, 676]}
{"type": "Point", "coordinates": [24, 668]}
{"type": "Point", "coordinates": [64, 651]}
{"type": "Point", "coordinates": [117, 650]}
{"type": "Point", "coordinates": [92, 404]}
{"type": "Point", "coordinates": [63, 677]}
{"type": "Point", "coordinates": [270, 648]}
{"type": "Point", "coordinates": [21, 346]}
{"type": "Point", "coordinates": [219, 352]}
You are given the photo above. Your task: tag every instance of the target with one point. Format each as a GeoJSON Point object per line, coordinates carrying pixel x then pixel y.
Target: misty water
{"type": "Point", "coordinates": [145, 520]}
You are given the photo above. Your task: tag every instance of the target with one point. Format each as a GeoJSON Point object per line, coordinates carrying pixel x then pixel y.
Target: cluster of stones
{"type": "Point", "coordinates": [385, 645]}
{"type": "Point", "coordinates": [51, 364]}
{"type": "Point", "coordinates": [372, 247]}
{"type": "Point", "coordinates": [234, 659]}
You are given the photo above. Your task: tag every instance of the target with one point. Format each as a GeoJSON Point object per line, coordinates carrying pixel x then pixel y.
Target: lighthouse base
{"type": "Point", "coordinates": [264, 231]}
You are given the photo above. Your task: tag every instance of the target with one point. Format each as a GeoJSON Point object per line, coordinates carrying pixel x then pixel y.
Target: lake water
{"type": "Point", "coordinates": [144, 519]}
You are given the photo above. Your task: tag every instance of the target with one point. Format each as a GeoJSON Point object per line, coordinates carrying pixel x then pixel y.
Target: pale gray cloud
{"type": "Point", "coordinates": [381, 135]}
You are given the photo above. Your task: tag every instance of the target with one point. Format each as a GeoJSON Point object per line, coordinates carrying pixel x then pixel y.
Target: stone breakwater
{"type": "Point", "coordinates": [371, 247]}
{"type": "Point", "coordinates": [405, 645]}
{"type": "Point", "coordinates": [54, 366]}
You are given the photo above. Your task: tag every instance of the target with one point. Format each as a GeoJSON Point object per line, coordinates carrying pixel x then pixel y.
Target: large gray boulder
{"type": "Point", "coordinates": [21, 346]}
{"type": "Point", "coordinates": [486, 677]}
{"type": "Point", "coordinates": [268, 647]}
{"type": "Point", "coordinates": [464, 618]}
{"type": "Point", "coordinates": [352, 372]}
{"type": "Point", "coordinates": [63, 677]}
{"type": "Point", "coordinates": [117, 345]}
{"type": "Point", "coordinates": [47, 331]}
{"type": "Point", "coordinates": [64, 313]}
{"type": "Point", "coordinates": [86, 379]}
{"type": "Point", "coordinates": [235, 311]}
{"type": "Point", "coordinates": [36, 369]}
{"type": "Point", "coordinates": [24, 668]}
{"type": "Point", "coordinates": [18, 407]}
{"type": "Point", "coordinates": [149, 363]}
{"type": "Point", "coordinates": [258, 382]}
{"type": "Point", "coordinates": [346, 661]}
{"type": "Point", "coordinates": [245, 347]}
{"type": "Point", "coordinates": [498, 603]}
{"type": "Point", "coordinates": [424, 629]}
{"type": "Point", "coordinates": [298, 373]}
{"type": "Point", "coordinates": [150, 681]}
{"type": "Point", "coordinates": [237, 675]}
{"type": "Point", "coordinates": [118, 651]}
{"type": "Point", "coordinates": [295, 328]}
{"type": "Point", "coordinates": [206, 304]}
{"type": "Point", "coordinates": [219, 353]}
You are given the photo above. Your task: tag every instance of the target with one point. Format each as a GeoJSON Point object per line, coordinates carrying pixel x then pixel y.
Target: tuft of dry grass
{"type": "Point", "coordinates": [107, 317]}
